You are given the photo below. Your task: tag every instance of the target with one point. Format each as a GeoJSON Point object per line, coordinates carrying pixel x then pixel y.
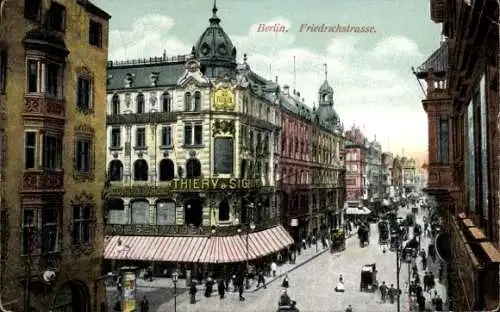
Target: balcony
{"type": "Point", "coordinates": [437, 11]}
{"type": "Point", "coordinates": [440, 179]}
{"type": "Point", "coordinates": [43, 181]}
{"type": "Point", "coordinates": [37, 105]}
{"type": "Point", "coordinates": [182, 230]}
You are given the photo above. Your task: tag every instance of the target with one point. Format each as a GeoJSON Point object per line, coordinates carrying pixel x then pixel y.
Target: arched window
{"type": "Point", "coordinates": [166, 101]}
{"type": "Point", "coordinates": [187, 102]}
{"type": "Point", "coordinates": [115, 105]}
{"type": "Point", "coordinates": [115, 172]}
{"type": "Point", "coordinates": [268, 114]}
{"type": "Point", "coordinates": [140, 170]}
{"type": "Point", "coordinates": [140, 104]}
{"type": "Point", "coordinates": [224, 210]}
{"type": "Point", "coordinates": [167, 170]}
{"type": "Point", "coordinates": [197, 101]}
{"type": "Point", "coordinates": [140, 212]}
{"type": "Point", "coordinates": [193, 168]}
{"type": "Point", "coordinates": [325, 97]}
{"type": "Point", "coordinates": [165, 212]}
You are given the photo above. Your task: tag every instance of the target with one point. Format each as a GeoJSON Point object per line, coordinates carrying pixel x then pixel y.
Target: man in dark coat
{"type": "Point", "coordinates": [144, 304]}
{"type": "Point", "coordinates": [438, 304]}
{"type": "Point", "coordinates": [240, 290]}
{"type": "Point", "coordinates": [192, 292]}
{"type": "Point", "coordinates": [222, 289]}
{"type": "Point", "coordinates": [421, 303]}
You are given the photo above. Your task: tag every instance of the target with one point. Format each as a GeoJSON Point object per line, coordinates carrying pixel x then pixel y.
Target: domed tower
{"type": "Point", "coordinates": [326, 113]}
{"type": "Point", "coordinates": [214, 50]}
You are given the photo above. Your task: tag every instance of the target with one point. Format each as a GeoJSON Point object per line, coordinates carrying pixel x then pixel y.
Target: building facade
{"type": "Point", "coordinates": [295, 163]}
{"type": "Point", "coordinates": [327, 162]}
{"type": "Point", "coordinates": [463, 171]}
{"type": "Point", "coordinates": [354, 163]}
{"type": "Point", "coordinates": [53, 81]}
{"type": "Point", "coordinates": [387, 162]}
{"type": "Point", "coordinates": [373, 171]}
{"type": "Point", "coordinates": [193, 151]}
{"type": "Point", "coordinates": [409, 174]}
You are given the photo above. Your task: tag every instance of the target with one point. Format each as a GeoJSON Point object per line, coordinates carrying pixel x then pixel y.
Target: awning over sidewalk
{"type": "Point", "coordinates": [269, 241]}
{"type": "Point", "coordinates": [226, 249]}
{"type": "Point", "coordinates": [153, 248]}
{"type": "Point", "coordinates": [217, 249]}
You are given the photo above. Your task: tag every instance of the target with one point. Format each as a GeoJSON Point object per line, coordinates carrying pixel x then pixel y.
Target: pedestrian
{"type": "Point", "coordinates": [144, 304]}
{"type": "Point", "coordinates": [279, 258]}
{"type": "Point", "coordinates": [192, 292]}
{"type": "Point", "coordinates": [222, 289]}
{"type": "Point", "coordinates": [240, 289]}
{"type": "Point", "coordinates": [441, 272]}
{"type": "Point", "coordinates": [285, 282]}
{"type": "Point", "coordinates": [304, 245]}
{"type": "Point", "coordinates": [119, 284]}
{"type": "Point", "coordinates": [392, 293]}
{"type": "Point", "coordinates": [150, 273]}
{"type": "Point", "coordinates": [299, 247]}
{"type": "Point", "coordinates": [421, 303]}
{"type": "Point", "coordinates": [424, 263]}
{"type": "Point", "coordinates": [383, 291]}
{"type": "Point", "coordinates": [349, 308]}
{"type": "Point", "coordinates": [438, 304]}
{"type": "Point", "coordinates": [427, 282]}
{"type": "Point", "coordinates": [261, 279]}
{"type": "Point", "coordinates": [274, 267]}
{"type": "Point", "coordinates": [432, 280]}
{"type": "Point", "coordinates": [209, 287]}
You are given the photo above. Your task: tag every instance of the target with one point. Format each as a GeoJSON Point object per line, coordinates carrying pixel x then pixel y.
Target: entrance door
{"type": "Point", "coordinates": [72, 297]}
{"type": "Point", "coordinates": [193, 212]}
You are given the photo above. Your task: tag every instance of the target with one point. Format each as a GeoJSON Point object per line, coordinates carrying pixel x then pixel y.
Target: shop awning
{"type": "Point", "coordinates": [269, 241]}
{"type": "Point", "coordinates": [153, 248]}
{"type": "Point", "coordinates": [358, 211]}
{"type": "Point", "coordinates": [226, 249]}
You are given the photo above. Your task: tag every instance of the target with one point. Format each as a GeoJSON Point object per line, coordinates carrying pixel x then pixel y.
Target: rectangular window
{"type": "Point", "coordinates": [484, 148]}
{"type": "Point", "coordinates": [95, 33]}
{"type": "Point", "coordinates": [52, 152]}
{"type": "Point", "coordinates": [32, 9]}
{"type": "Point", "coordinates": [444, 133]}
{"type": "Point", "coordinates": [29, 150]}
{"type": "Point", "coordinates": [471, 159]}
{"type": "Point", "coordinates": [82, 225]}
{"type": "Point", "coordinates": [193, 134]}
{"type": "Point", "coordinates": [3, 70]}
{"type": "Point", "coordinates": [84, 93]}
{"type": "Point", "coordinates": [140, 137]}
{"type": "Point", "coordinates": [116, 137]}
{"type": "Point", "coordinates": [166, 136]}
{"type": "Point", "coordinates": [83, 155]}
{"type": "Point", "coordinates": [52, 79]}
{"type": "Point", "coordinates": [28, 231]}
{"type": "Point", "coordinates": [57, 17]}
{"type": "Point", "coordinates": [32, 76]}
{"type": "Point", "coordinates": [223, 155]}
{"type": "Point", "coordinates": [49, 230]}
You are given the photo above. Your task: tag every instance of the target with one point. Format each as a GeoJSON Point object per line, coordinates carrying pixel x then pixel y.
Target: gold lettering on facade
{"type": "Point", "coordinates": [224, 100]}
{"type": "Point", "coordinates": [210, 184]}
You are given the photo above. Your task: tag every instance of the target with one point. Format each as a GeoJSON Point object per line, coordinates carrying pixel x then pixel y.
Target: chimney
{"type": "Point", "coordinates": [286, 89]}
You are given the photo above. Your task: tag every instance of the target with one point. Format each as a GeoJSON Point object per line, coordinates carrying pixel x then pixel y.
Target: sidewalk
{"type": "Point", "coordinates": [305, 256]}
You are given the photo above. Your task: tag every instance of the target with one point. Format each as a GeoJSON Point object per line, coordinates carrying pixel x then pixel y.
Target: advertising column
{"type": "Point", "coordinates": [128, 295]}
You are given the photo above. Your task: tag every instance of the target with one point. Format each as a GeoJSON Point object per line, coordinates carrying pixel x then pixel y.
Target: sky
{"type": "Point", "coordinates": [369, 72]}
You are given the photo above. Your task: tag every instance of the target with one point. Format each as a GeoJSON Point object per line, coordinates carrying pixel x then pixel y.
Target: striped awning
{"type": "Point", "coordinates": [226, 249]}
{"type": "Point", "coordinates": [269, 241]}
{"type": "Point", "coordinates": [153, 248]}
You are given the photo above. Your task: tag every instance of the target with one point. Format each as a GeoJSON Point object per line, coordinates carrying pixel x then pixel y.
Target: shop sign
{"type": "Point", "coordinates": [214, 183]}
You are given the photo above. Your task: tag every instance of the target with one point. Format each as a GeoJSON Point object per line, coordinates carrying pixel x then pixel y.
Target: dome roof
{"type": "Point", "coordinates": [325, 87]}
{"type": "Point", "coordinates": [214, 44]}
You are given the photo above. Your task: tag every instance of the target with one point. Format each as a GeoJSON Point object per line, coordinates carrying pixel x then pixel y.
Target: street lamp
{"type": "Point", "coordinates": [251, 228]}
{"type": "Point", "coordinates": [175, 279]}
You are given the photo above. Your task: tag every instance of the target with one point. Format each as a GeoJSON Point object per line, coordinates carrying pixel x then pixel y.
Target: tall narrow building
{"type": "Point", "coordinates": [53, 92]}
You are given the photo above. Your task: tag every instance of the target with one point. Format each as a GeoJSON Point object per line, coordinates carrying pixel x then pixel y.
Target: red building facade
{"type": "Point", "coordinates": [295, 165]}
{"type": "Point", "coordinates": [354, 145]}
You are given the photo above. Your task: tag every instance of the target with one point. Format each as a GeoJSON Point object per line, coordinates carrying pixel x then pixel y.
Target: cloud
{"type": "Point", "coordinates": [372, 85]}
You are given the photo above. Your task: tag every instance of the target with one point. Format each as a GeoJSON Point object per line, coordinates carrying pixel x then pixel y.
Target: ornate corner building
{"type": "Point", "coordinates": [53, 91]}
{"type": "Point", "coordinates": [312, 163]}
{"type": "Point", "coordinates": [461, 103]}
{"type": "Point", "coordinates": [193, 157]}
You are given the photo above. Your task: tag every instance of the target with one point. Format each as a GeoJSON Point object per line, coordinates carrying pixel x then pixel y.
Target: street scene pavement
{"type": "Point", "coordinates": [312, 285]}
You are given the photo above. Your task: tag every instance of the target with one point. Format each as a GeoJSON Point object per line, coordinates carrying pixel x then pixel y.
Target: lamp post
{"type": "Point", "coordinates": [175, 279]}
{"type": "Point", "coordinates": [251, 228]}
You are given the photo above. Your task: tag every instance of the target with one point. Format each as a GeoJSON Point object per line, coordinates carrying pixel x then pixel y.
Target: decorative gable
{"type": "Point", "coordinates": [192, 74]}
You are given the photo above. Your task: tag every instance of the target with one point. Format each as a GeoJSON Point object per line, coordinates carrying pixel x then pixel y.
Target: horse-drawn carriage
{"type": "Point", "coordinates": [364, 235]}
{"type": "Point", "coordinates": [383, 232]}
{"type": "Point", "coordinates": [338, 240]}
{"type": "Point", "coordinates": [368, 278]}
